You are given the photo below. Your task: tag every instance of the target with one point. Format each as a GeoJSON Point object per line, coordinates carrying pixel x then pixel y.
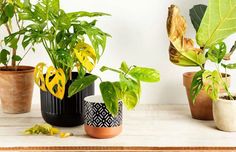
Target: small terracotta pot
{"type": "Point", "coordinates": [202, 108]}
{"type": "Point", "coordinates": [99, 123]}
{"type": "Point", "coordinates": [224, 112]}
{"type": "Point", "coordinates": [16, 89]}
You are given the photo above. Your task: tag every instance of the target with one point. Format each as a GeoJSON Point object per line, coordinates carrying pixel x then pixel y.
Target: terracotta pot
{"type": "Point", "coordinates": [99, 123]}
{"type": "Point", "coordinates": [68, 112]}
{"type": "Point", "coordinates": [224, 112]}
{"type": "Point", "coordinates": [16, 89]}
{"type": "Point", "coordinates": [202, 109]}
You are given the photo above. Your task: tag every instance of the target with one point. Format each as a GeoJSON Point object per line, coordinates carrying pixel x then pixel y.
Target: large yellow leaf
{"type": "Point", "coordinates": [181, 51]}
{"type": "Point", "coordinates": [56, 81]}
{"type": "Point", "coordinates": [38, 76]}
{"type": "Point", "coordinates": [86, 55]}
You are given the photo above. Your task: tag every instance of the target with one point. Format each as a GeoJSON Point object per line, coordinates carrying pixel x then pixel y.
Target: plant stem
{"type": "Point", "coordinates": [25, 54]}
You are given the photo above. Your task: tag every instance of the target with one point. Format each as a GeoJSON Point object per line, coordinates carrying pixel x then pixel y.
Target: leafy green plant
{"type": "Point", "coordinates": [63, 36]}
{"type": "Point", "coordinates": [128, 88]}
{"type": "Point", "coordinates": [213, 23]}
{"type": "Point", "coordinates": [9, 14]}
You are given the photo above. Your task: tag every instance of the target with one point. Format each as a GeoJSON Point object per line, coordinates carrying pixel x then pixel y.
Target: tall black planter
{"type": "Point", "coordinates": [67, 112]}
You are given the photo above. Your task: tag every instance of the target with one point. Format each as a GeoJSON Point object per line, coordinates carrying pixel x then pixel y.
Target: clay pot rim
{"type": "Point", "coordinates": [224, 100]}
{"type": "Point", "coordinates": [191, 74]}
{"type": "Point", "coordinates": [24, 69]}
{"type": "Point", "coordinates": [95, 99]}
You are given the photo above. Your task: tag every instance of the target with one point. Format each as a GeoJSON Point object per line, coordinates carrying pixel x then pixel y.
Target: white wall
{"type": "Point", "coordinates": [139, 35]}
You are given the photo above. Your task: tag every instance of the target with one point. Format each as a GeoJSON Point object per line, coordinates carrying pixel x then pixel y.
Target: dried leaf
{"type": "Point", "coordinates": [181, 51]}
{"type": "Point", "coordinates": [65, 134]}
{"type": "Point", "coordinates": [44, 129]}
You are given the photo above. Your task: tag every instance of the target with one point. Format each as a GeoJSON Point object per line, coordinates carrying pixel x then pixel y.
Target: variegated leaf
{"type": "Point", "coordinates": [38, 76]}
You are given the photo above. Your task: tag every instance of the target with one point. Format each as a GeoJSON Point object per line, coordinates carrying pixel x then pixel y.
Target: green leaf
{"type": "Point", "coordinates": [218, 23]}
{"type": "Point", "coordinates": [3, 18]}
{"type": "Point", "coordinates": [145, 74]}
{"type": "Point", "coordinates": [229, 66]}
{"type": "Point", "coordinates": [110, 97]}
{"type": "Point", "coordinates": [16, 58]}
{"type": "Point", "coordinates": [124, 67]}
{"type": "Point", "coordinates": [13, 43]}
{"type": "Point", "coordinates": [130, 100]}
{"type": "Point", "coordinates": [9, 10]}
{"type": "Point", "coordinates": [3, 56]}
{"type": "Point", "coordinates": [117, 86]}
{"type": "Point", "coordinates": [87, 14]}
{"type": "Point", "coordinates": [128, 84]}
{"type": "Point", "coordinates": [80, 84]}
{"type": "Point", "coordinates": [197, 85]}
{"type": "Point", "coordinates": [196, 14]}
{"type": "Point", "coordinates": [217, 52]}
{"type": "Point", "coordinates": [212, 81]}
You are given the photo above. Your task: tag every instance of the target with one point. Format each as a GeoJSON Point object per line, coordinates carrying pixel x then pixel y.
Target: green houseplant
{"type": "Point", "coordinates": [103, 114]}
{"type": "Point", "coordinates": [63, 36]}
{"type": "Point", "coordinates": [211, 31]}
{"type": "Point", "coordinates": [16, 81]}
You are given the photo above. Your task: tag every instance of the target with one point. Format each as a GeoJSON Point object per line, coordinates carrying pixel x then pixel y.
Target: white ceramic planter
{"type": "Point", "coordinates": [224, 113]}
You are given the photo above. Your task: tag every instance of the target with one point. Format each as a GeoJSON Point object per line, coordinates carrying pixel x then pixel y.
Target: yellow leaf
{"type": "Point", "coordinates": [56, 81]}
{"type": "Point", "coordinates": [86, 55]}
{"type": "Point", "coordinates": [38, 76]}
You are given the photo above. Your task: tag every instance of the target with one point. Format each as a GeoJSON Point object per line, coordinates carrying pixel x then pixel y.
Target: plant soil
{"type": "Point", "coordinates": [228, 98]}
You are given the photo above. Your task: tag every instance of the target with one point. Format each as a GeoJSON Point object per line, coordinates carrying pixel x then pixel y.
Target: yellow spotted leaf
{"type": "Point", "coordinates": [181, 51]}
{"type": "Point", "coordinates": [38, 76]}
{"type": "Point", "coordinates": [56, 81]}
{"type": "Point", "coordinates": [86, 55]}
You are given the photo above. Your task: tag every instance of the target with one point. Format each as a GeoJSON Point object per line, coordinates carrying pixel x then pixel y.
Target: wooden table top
{"type": "Point", "coordinates": [149, 127]}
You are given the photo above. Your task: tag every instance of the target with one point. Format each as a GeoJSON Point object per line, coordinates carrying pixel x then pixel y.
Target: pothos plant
{"type": "Point", "coordinates": [9, 16]}
{"type": "Point", "coordinates": [213, 23]}
{"type": "Point", "coordinates": [63, 36]}
{"type": "Point", "coordinates": [128, 88]}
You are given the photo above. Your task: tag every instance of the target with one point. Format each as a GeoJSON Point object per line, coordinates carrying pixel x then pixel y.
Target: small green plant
{"type": "Point", "coordinates": [213, 23]}
{"type": "Point", "coordinates": [9, 14]}
{"type": "Point", "coordinates": [128, 88]}
{"type": "Point", "coordinates": [63, 36]}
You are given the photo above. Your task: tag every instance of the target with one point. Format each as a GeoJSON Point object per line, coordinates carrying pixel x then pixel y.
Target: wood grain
{"type": "Point", "coordinates": [149, 127]}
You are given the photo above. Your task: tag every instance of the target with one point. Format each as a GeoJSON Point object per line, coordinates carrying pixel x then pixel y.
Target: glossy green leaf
{"type": "Point", "coordinates": [217, 52]}
{"type": "Point", "coordinates": [145, 74]}
{"type": "Point", "coordinates": [3, 18]}
{"type": "Point", "coordinates": [130, 100]}
{"type": "Point", "coordinates": [16, 58]}
{"type": "Point", "coordinates": [4, 56]}
{"type": "Point", "coordinates": [229, 66]}
{"type": "Point", "coordinates": [218, 23]}
{"type": "Point", "coordinates": [80, 84]}
{"type": "Point", "coordinates": [196, 14]}
{"type": "Point", "coordinates": [124, 67]}
{"type": "Point", "coordinates": [9, 10]}
{"type": "Point", "coordinates": [86, 14]}
{"type": "Point", "coordinates": [197, 85]}
{"type": "Point", "coordinates": [128, 84]}
{"type": "Point", "coordinates": [109, 96]}
{"type": "Point", "coordinates": [119, 93]}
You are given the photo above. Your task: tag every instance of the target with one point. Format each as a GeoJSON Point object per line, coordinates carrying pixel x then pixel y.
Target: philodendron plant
{"type": "Point", "coordinates": [63, 36]}
{"type": "Point", "coordinates": [9, 15]}
{"type": "Point", "coordinates": [128, 88]}
{"type": "Point", "coordinates": [213, 23]}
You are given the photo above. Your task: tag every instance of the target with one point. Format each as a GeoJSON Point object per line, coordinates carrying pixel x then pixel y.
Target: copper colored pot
{"type": "Point", "coordinates": [99, 123]}
{"type": "Point", "coordinates": [202, 108]}
{"type": "Point", "coordinates": [16, 89]}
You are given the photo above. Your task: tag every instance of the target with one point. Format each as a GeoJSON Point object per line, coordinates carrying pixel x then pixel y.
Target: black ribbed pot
{"type": "Point", "coordinates": [68, 112]}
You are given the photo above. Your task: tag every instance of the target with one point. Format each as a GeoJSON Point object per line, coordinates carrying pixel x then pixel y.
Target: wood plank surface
{"type": "Point", "coordinates": [149, 126]}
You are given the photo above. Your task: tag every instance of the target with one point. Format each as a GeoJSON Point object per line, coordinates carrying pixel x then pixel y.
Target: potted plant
{"type": "Point", "coordinates": [63, 36]}
{"type": "Point", "coordinates": [209, 36]}
{"type": "Point", "coordinates": [103, 114]}
{"type": "Point", "coordinates": [16, 81]}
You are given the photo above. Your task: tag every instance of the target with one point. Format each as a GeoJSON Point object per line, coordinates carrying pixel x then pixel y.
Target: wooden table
{"type": "Point", "coordinates": [149, 127]}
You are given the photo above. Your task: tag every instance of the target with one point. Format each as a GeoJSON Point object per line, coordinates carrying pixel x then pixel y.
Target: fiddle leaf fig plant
{"type": "Point", "coordinates": [213, 23]}
{"type": "Point", "coordinates": [128, 88]}
{"type": "Point", "coordinates": [63, 36]}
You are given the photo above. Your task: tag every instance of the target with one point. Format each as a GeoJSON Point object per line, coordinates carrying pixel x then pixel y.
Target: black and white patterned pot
{"type": "Point", "coordinates": [99, 122]}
